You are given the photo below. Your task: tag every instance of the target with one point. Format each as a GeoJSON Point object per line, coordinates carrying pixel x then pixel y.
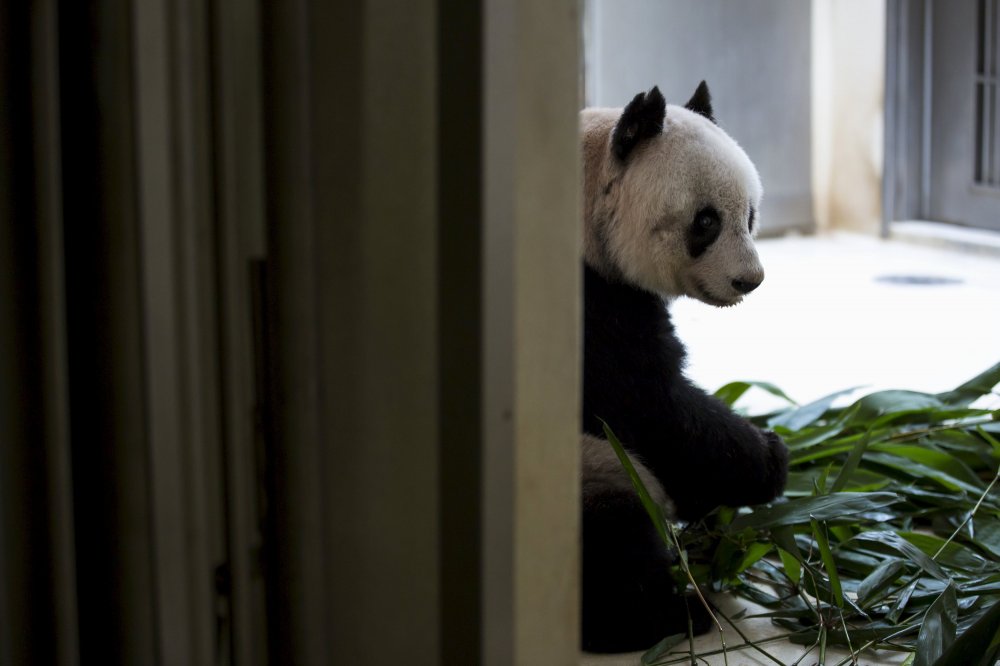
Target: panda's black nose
{"type": "Point", "coordinates": [746, 286]}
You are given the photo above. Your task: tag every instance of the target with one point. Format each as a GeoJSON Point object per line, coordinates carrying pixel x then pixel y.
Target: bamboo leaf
{"type": "Point", "coordinates": [902, 600]}
{"type": "Point", "coordinates": [652, 508]}
{"type": "Point", "coordinates": [908, 550]}
{"type": "Point", "coordinates": [918, 470]}
{"type": "Point", "coordinates": [796, 419]}
{"type": "Point", "coordinates": [662, 649]}
{"type": "Point", "coordinates": [883, 576]}
{"type": "Point", "coordinates": [876, 405]}
{"type": "Point", "coordinates": [971, 390]}
{"type": "Point", "coordinates": [938, 460]}
{"type": "Point", "coordinates": [994, 442]}
{"type": "Point", "coordinates": [755, 552]}
{"type": "Point", "coordinates": [791, 566]}
{"type": "Point", "coordinates": [917, 465]}
{"type": "Point", "coordinates": [952, 554]}
{"type": "Point", "coordinates": [852, 462]}
{"type": "Point", "coordinates": [733, 391]}
{"type": "Point", "coordinates": [837, 592]}
{"type": "Point", "coordinates": [979, 645]}
{"type": "Point", "coordinates": [938, 630]}
{"type": "Point", "coordinates": [988, 536]}
{"type": "Point", "coordinates": [801, 511]}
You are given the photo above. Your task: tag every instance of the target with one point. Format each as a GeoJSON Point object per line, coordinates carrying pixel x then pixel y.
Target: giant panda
{"type": "Point", "coordinates": [670, 209]}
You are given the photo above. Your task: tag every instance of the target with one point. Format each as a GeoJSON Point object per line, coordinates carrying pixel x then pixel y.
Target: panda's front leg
{"type": "Point", "coordinates": [714, 457]}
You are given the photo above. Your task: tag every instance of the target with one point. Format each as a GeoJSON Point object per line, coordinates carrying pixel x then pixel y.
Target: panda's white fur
{"type": "Point", "coordinates": [603, 471]}
{"type": "Point", "coordinates": [666, 181]}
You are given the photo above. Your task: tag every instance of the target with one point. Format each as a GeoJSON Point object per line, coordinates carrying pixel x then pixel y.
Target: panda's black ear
{"type": "Point", "coordinates": [641, 119]}
{"type": "Point", "coordinates": [701, 102]}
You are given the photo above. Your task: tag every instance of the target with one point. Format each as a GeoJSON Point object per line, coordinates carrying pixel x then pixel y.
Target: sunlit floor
{"type": "Point", "coordinates": [836, 312]}
{"type": "Point", "coordinates": [847, 310]}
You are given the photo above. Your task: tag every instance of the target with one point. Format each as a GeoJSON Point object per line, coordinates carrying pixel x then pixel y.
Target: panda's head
{"type": "Point", "coordinates": [671, 201]}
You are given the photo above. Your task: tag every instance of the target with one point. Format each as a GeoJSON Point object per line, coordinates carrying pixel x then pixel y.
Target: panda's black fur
{"type": "Point", "coordinates": [701, 453]}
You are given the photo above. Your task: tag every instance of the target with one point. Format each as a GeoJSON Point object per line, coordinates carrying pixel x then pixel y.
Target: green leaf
{"type": "Point", "coordinates": [836, 591]}
{"type": "Point", "coordinates": [733, 391]}
{"type": "Point", "coordinates": [878, 404]}
{"type": "Point", "coordinates": [962, 442]}
{"type": "Point", "coordinates": [819, 483]}
{"type": "Point", "coordinates": [988, 536]}
{"type": "Point", "coordinates": [759, 596]}
{"type": "Point", "coordinates": [971, 390]}
{"type": "Point", "coordinates": [796, 419]}
{"type": "Point", "coordinates": [812, 436]}
{"type": "Point", "coordinates": [791, 566]}
{"type": "Point", "coordinates": [883, 576]}
{"type": "Point", "coordinates": [918, 465]}
{"type": "Point", "coordinates": [938, 460]}
{"type": "Point", "coordinates": [801, 510]}
{"type": "Point", "coordinates": [828, 450]}
{"type": "Point", "coordinates": [662, 649]}
{"type": "Point", "coordinates": [755, 552]}
{"type": "Point", "coordinates": [952, 554]}
{"type": "Point", "coordinates": [937, 632]}
{"type": "Point", "coordinates": [902, 599]}
{"type": "Point", "coordinates": [908, 550]}
{"type": "Point", "coordinates": [988, 585]}
{"type": "Point", "coordinates": [995, 443]}
{"type": "Point", "coordinates": [873, 632]}
{"type": "Point", "coordinates": [852, 462]}
{"type": "Point", "coordinates": [652, 508]}
{"type": "Point", "coordinates": [979, 645]}
{"type": "Point", "coordinates": [920, 471]}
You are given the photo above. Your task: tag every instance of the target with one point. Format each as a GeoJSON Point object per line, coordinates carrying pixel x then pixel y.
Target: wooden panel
{"type": "Point", "coordinates": [532, 327]}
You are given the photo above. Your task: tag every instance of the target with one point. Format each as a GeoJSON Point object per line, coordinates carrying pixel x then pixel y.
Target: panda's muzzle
{"type": "Point", "coordinates": [702, 293]}
{"type": "Point", "coordinates": [747, 284]}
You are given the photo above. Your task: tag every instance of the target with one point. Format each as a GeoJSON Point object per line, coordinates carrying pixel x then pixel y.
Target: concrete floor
{"type": "Point", "coordinates": [835, 312]}
{"type": "Point", "coordinates": [758, 630]}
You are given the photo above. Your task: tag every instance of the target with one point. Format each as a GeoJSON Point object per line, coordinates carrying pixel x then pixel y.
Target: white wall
{"type": "Point", "coordinates": [848, 63]}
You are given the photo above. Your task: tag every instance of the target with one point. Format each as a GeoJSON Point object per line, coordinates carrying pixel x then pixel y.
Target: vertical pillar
{"type": "Point", "coordinates": [532, 325]}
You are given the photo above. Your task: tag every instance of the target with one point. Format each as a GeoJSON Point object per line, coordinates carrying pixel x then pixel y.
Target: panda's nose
{"type": "Point", "coordinates": [745, 286]}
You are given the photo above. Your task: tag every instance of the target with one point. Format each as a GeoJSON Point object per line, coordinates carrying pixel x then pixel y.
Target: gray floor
{"type": "Point", "coordinates": [835, 312]}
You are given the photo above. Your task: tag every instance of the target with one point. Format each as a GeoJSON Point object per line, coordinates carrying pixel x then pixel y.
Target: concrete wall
{"type": "Point", "coordinates": [755, 55]}
{"type": "Point", "coordinates": [799, 85]}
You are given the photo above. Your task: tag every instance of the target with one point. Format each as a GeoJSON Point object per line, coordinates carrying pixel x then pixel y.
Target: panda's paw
{"type": "Point", "coordinates": [764, 472]}
{"type": "Point", "coordinates": [776, 470]}
{"type": "Point", "coordinates": [641, 622]}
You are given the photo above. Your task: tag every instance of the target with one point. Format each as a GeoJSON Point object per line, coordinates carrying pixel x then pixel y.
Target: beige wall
{"type": "Point", "coordinates": [847, 113]}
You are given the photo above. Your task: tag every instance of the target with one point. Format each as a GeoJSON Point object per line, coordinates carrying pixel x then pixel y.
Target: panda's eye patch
{"type": "Point", "coordinates": [703, 231]}
{"type": "Point", "coordinates": [706, 221]}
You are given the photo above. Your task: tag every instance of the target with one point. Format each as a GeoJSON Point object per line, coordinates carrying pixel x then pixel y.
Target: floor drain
{"type": "Point", "coordinates": [918, 280]}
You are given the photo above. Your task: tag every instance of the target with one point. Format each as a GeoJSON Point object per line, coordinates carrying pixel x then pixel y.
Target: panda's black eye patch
{"type": "Point", "coordinates": [703, 231]}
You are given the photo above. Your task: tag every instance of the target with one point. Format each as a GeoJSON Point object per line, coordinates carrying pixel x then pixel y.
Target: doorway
{"type": "Point", "coordinates": [942, 99]}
